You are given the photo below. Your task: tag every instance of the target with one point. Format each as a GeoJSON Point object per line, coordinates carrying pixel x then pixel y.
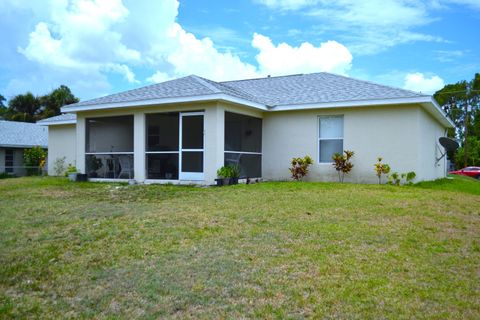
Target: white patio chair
{"type": "Point", "coordinates": [126, 166]}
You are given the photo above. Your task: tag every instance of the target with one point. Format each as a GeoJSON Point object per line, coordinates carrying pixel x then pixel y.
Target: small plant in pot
{"type": "Point", "coordinates": [93, 163]}
{"type": "Point", "coordinates": [228, 175]}
{"type": "Point", "coordinates": [71, 173]}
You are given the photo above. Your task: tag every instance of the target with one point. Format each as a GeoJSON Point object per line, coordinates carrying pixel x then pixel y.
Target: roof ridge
{"type": "Point", "coordinates": [377, 84]}
{"type": "Point", "coordinates": [267, 77]}
{"type": "Point", "coordinates": [205, 83]}
{"type": "Point", "coordinates": [240, 93]}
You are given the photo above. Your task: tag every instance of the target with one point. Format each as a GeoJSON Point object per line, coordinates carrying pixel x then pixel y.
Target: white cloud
{"type": "Point", "coordinates": [158, 76]}
{"type": "Point", "coordinates": [368, 26]}
{"type": "Point", "coordinates": [420, 83]}
{"type": "Point", "coordinates": [90, 39]}
{"type": "Point", "coordinates": [287, 4]}
{"type": "Point", "coordinates": [199, 56]}
{"type": "Point", "coordinates": [449, 55]}
{"type": "Point", "coordinates": [285, 59]}
{"type": "Point", "coordinates": [78, 37]}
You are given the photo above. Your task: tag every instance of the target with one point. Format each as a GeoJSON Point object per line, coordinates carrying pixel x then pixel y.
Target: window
{"type": "Point", "coordinates": [9, 154]}
{"type": "Point", "coordinates": [330, 137]}
{"type": "Point", "coordinates": [243, 144]}
{"type": "Point", "coordinates": [109, 147]}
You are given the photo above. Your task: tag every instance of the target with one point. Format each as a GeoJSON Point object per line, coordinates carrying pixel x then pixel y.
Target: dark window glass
{"type": "Point", "coordinates": [242, 133]}
{"type": "Point", "coordinates": [9, 154]}
{"type": "Point", "coordinates": [192, 132]}
{"type": "Point", "coordinates": [192, 161]}
{"type": "Point", "coordinates": [109, 134]}
{"type": "Point", "coordinates": [250, 164]}
{"type": "Point", "coordinates": [162, 131]}
{"type": "Point", "coordinates": [162, 166]}
{"type": "Point", "coordinates": [328, 148]}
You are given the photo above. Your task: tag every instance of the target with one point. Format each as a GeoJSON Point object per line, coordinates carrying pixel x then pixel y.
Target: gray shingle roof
{"type": "Point", "coordinates": [271, 91]}
{"type": "Point", "coordinates": [22, 134]}
{"type": "Point", "coordinates": [183, 87]}
{"type": "Point", "coordinates": [316, 88]}
{"type": "Point", "coordinates": [60, 118]}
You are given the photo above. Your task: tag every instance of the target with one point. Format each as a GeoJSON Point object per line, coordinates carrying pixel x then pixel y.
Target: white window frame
{"type": "Point", "coordinates": [184, 175]}
{"type": "Point", "coordinates": [325, 139]}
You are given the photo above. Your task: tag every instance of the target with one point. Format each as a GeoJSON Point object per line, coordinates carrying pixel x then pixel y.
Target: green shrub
{"type": "Point", "coordinates": [34, 160]}
{"type": "Point", "coordinates": [299, 168]}
{"type": "Point", "coordinates": [397, 179]}
{"type": "Point", "coordinates": [5, 175]}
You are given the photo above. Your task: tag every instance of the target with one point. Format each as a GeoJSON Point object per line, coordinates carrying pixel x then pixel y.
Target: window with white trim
{"type": "Point", "coordinates": [330, 137]}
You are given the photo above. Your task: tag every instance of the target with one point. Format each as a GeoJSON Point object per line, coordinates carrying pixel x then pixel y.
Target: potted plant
{"type": "Point", "coordinates": [228, 175]}
{"type": "Point", "coordinates": [71, 173]}
{"type": "Point", "coordinates": [234, 173]}
{"type": "Point", "coordinates": [93, 163]}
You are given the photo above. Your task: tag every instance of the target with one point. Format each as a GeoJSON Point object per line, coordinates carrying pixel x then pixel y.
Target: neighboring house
{"type": "Point", "coordinates": [16, 137]}
{"type": "Point", "coordinates": [183, 130]}
{"type": "Point", "coordinates": [61, 140]}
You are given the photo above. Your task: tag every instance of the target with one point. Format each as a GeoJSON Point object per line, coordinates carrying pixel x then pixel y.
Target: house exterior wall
{"type": "Point", "coordinates": [429, 148]}
{"type": "Point", "coordinates": [405, 136]}
{"type": "Point", "coordinates": [396, 133]}
{"type": "Point", "coordinates": [18, 162]}
{"type": "Point", "coordinates": [61, 143]}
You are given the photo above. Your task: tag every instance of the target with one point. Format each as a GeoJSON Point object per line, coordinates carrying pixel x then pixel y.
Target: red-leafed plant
{"type": "Point", "coordinates": [381, 169]}
{"type": "Point", "coordinates": [342, 163]}
{"type": "Point", "coordinates": [299, 168]}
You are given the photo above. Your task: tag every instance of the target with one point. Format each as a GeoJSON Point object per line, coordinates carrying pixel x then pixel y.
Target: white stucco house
{"type": "Point", "coordinates": [183, 130]}
{"type": "Point", "coordinates": [15, 137]}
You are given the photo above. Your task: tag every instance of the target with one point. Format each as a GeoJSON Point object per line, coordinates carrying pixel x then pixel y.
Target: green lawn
{"type": "Point", "coordinates": [270, 250]}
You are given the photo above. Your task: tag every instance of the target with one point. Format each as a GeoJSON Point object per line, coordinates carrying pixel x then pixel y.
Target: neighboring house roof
{"type": "Point", "coordinates": [294, 92]}
{"type": "Point", "coordinates": [66, 118]}
{"type": "Point", "coordinates": [15, 134]}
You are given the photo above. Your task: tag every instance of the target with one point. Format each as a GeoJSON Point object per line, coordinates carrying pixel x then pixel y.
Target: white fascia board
{"type": "Point", "coordinates": [54, 123]}
{"type": "Point", "coordinates": [203, 98]}
{"type": "Point", "coordinates": [437, 107]}
{"type": "Point", "coordinates": [426, 101]}
{"type": "Point", "coordinates": [21, 146]}
{"type": "Point", "coordinates": [352, 103]}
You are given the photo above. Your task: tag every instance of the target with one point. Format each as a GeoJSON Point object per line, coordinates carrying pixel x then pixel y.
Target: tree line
{"type": "Point", "coordinates": [30, 108]}
{"type": "Point", "coordinates": [461, 103]}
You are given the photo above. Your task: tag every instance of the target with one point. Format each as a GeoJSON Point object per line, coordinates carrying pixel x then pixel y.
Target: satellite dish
{"type": "Point", "coordinates": [448, 144]}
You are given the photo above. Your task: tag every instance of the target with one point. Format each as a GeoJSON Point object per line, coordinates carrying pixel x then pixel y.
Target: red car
{"type": "Point", "coordinates": [473, 172]}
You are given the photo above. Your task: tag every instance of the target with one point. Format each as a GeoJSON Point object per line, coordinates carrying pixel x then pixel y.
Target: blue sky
{"type": "Point", "coordinates": [98, 47]}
